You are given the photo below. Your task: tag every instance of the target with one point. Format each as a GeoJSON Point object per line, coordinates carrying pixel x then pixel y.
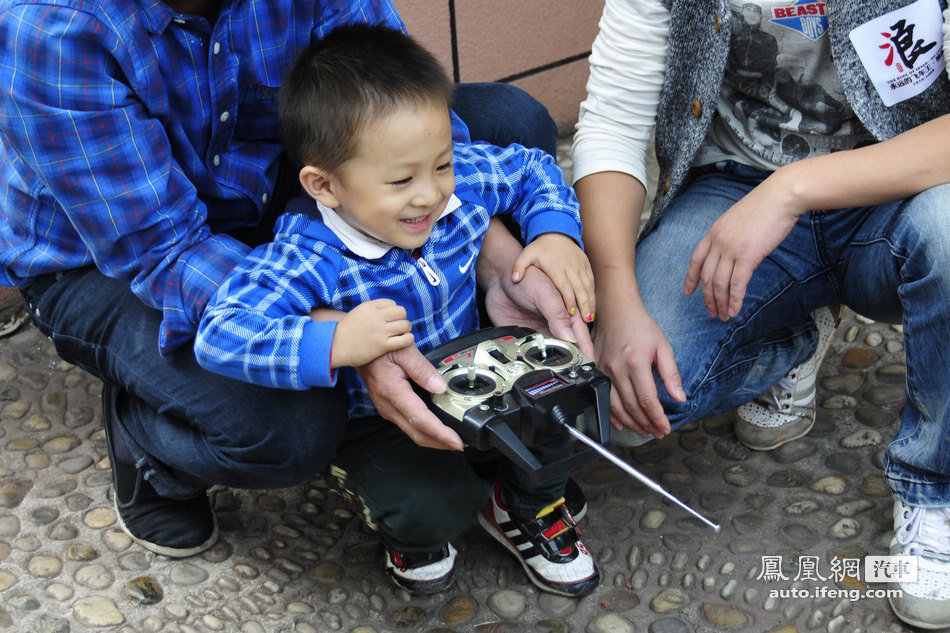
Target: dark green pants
{"type": "Point", "coordinates": [418, 499]}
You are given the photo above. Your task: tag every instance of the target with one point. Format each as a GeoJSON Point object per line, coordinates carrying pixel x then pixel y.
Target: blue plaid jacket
{"type": "Point", "coordinates": [257, 328]}
{"type": "Point", "coordinates": [133, 138]}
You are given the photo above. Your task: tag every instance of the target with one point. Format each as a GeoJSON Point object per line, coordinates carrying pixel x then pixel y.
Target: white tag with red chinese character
{"type": "Point", "coordinates": [902, 51]}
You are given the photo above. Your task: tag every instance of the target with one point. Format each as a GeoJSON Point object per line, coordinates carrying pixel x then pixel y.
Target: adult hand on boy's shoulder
{"type": "Point", "coordinates": [387, 379]}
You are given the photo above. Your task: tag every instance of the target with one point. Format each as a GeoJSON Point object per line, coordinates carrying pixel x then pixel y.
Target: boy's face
{"type": "Point", "coordinates": [400, 179]}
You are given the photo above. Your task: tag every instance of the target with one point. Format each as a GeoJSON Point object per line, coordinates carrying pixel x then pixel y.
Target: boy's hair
{"type": "Point", "coordinates": [353, 75]}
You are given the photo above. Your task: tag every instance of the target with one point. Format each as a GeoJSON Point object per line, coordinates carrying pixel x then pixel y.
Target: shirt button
{"type": "Point", "coordinates": [216, 160]}
{"type": "Point", "coordinates": [718, 27]}
{"type": "Point", "coordinates": [697, 108]}
{"type": "Point", "coordinates": [666, 185]}
{"type": "Point", "coordinates": [264, 198]}
{"type": "Point", "coordinates": [217, 47]}
{"type": "Point", "coordinates": [225, 115]}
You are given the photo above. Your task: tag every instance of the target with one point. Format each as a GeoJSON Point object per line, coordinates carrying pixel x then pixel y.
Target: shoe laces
{"type": "Point", "coordinates": [779, 396]}
{"type": "Point", "coordinates": [925, 531]}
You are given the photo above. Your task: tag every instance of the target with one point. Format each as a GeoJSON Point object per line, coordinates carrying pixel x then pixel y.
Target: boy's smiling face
{"type": "Point", "coordinates": [397, 184]}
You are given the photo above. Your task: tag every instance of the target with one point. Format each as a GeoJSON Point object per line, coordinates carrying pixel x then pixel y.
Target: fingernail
{"type": "Point", "coordinates": [680, 394]}
{"type": "Point", "coordinates": [590, 317]}
{"type": "Point", "coordinates": [516, 276]}
{"type": "Point", "coordinates": [436, 384]}
{"type": "Point", "coordinates": [573, 311]}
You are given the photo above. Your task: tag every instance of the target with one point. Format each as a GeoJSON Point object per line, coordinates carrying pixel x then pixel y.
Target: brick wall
{"type": "Point", "coordinates": [539, 45]}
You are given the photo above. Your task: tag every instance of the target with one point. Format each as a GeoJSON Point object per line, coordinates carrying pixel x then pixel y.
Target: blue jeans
{"type": "Point", "coordinates": [889, 262]}
{"type": "Point", "coordinates": [188, 428]}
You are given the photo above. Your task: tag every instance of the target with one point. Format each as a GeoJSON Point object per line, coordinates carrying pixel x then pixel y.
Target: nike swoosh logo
{"type": "Point", "coordinates": [463, 268]}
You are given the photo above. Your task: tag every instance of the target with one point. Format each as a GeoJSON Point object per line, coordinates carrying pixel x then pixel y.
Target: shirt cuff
{"type": "Point", "coordinates": [315, 346]}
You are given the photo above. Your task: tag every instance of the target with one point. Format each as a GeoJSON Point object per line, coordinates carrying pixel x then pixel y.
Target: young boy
{"type": "Point", "coordinates": [388, 234]}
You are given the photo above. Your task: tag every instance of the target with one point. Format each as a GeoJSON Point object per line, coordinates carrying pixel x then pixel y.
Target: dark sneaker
{"type": "Point", "coordinates": [548, 546]}
{"type": "Point", "coordinates": [171, 527]}
{"type": "Point", "coordinates": [422, 574]}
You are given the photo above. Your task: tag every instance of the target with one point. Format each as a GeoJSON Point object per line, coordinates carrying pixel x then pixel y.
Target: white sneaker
{"type": "Point", "coordinates": [924, 533]}
{"type": "Point", "coordinates": [786, 411]}
{"type": "Point", "coordinates": [422, 574]}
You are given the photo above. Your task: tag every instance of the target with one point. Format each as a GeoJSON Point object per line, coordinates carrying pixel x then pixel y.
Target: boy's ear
{"type": "Point", "coordinates": [318, 186]}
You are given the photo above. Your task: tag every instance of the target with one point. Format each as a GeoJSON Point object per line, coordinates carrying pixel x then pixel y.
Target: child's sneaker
{"type": "Point", "coordinates": [548, 546]}
{"type": "Point", "coordinates": [924, 533]}
{"type": "Point", "coordinates": [786, 411]}
{"type": "Point", "coordinates": [422, 574]}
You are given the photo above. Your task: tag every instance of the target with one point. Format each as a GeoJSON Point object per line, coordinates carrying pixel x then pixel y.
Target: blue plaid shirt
{"type": "Point", "coordinates": [257, 329]}
{"type": "Point", "coordinates": [133, 138]}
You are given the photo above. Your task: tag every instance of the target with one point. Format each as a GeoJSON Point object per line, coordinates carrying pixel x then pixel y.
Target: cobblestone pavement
{"type": "Point", "coordinates": [298, 560]}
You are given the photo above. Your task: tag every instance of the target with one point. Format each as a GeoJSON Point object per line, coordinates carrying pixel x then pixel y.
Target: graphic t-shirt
{"type": "Point", "coordinates": [781, 98]}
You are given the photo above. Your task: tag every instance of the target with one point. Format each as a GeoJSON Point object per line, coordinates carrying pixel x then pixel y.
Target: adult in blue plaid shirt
{"type": "Point", "coordinates": [139, 149]}
{"type": "Point", "coordinates": [388, 233]}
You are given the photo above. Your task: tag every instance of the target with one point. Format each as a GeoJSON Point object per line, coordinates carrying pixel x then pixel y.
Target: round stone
{"type": "Point", "coordinates": [884, 395]}
{"type": "Point", "coordinates": [187, 575]}
{"type": "Point", "coordinates": [97, 611]}
{"type": "Point", "coordinates": [13, 492]}
{"type": "Point", "coordinates": [94, 576]}
{"type": "Point", "coordinates": [60, 592]}
{"type": "Point", "coordinates": [851, 508]}
{"type": "Point", "coordinates": [747, 522]}
{"type": "Point", "coordinates": [557, 606]}
{"type": "Point", "coordinates": [459, 610]}
{"type": "Point", "coordinates": [44, 566]}
{"type": "Point", "coordinates": [864, 437]}
{"type": "Point", "coordinates": [793, 451]}
{"type": "Point", "coordinates": [407, 617]}
{"type": "Point", "coordinates": [99, 518]}
{"type": "Point", "coordinates": [670, 599]}
{"type": "Point", "coordinates": [610, 623]}
{"type": "Point", "coordinates": [507, 603]}
{"type": "Point", "coordinates": [832, 485]}
{"type": "Point", "coordinates": [858, 357]}
{"type": "Point", "coordinates": [892, 374]}
{"type": "Point", "coordinates": [652, 520]}
{"type": "Point", "coordinates": [786, 479]}
{"type": "Point", "coordinates": [805, 506]}
{"type": "Point", "coordinates": [81, 552]}
{"type": "Point", "coordinates": [839, 401]}
{"type": "Point", "coordinates": [873, 339]}
{"type": "Point", "coordinates": [843, 383]}
{"type": "Point", "coordinates": [845, 528]}
{"type": "Point", "coordinates": [699, 465]}
{"type": "Point", "coordinates": [845, 463]}
{"type": "Point", "coordinates": [144, 590]}
{"type": "Point", "coordinates": [799, 535]}
{"type": "Point", "coordinates": [724, 616]}
{"type": "Point", "coordinates": [63, 444]}
{"type": "Point", "coordinates": [327, 572]}
{"type": "Point", "coordinates": [739, 475]}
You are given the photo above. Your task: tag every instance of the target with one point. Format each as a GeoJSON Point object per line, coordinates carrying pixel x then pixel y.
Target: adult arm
{"type": "Point", "coordinates": [610, 148]}
{"type": "Point", "coordinates": [736, 243]}
{"type": "Point", "coordinates": [98, 167]}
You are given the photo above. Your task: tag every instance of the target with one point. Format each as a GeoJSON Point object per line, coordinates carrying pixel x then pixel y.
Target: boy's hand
{"type": "Point", "coordinates": [368, 331]}
{"type": "Point", "coordinates": [563, 261]}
